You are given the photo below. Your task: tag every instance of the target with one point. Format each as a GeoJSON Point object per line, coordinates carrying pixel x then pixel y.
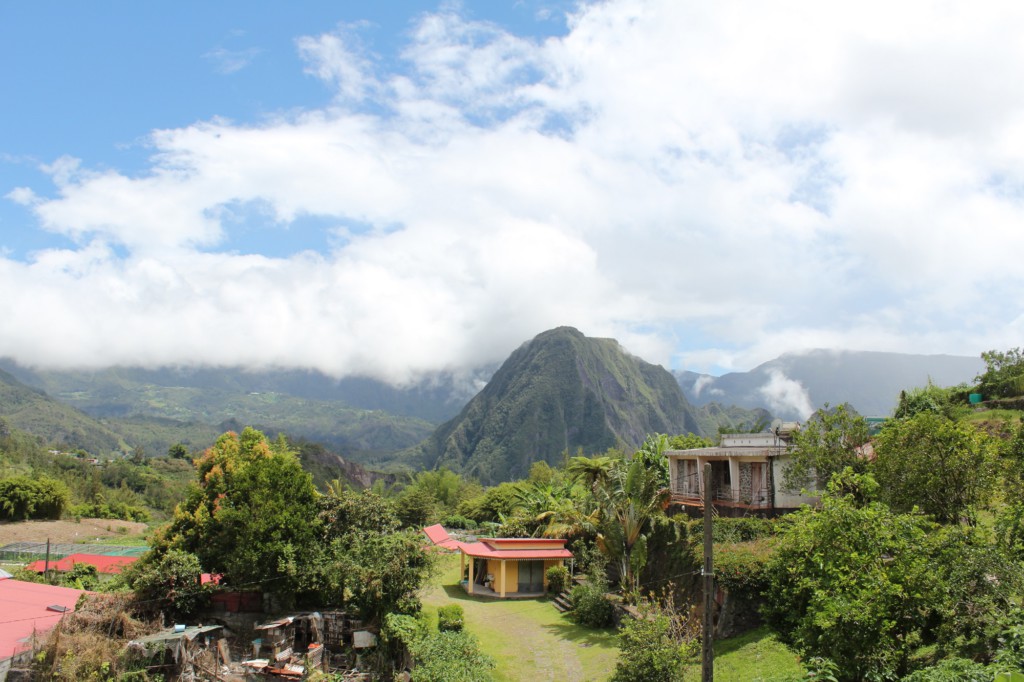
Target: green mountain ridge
{"type": "Point", "coordinates": [560, 392]}
{"type": "Point", "coordinates": [111, 411]}
{"type": "Point", "coordinates": [32, 411]}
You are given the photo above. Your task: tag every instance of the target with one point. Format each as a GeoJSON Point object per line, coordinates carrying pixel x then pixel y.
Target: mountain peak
{"type": "Point", "coordinates": [559, 392]}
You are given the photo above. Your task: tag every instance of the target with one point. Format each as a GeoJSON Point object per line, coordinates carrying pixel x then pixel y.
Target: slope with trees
{"type": "Point", "coordinates": [559, 392]}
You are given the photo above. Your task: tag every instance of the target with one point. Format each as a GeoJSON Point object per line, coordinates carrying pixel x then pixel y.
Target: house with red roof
{"type": "Point", "coordinates": [503, 567]}
{"type": "Point", "coordinates": [27, 610]}
{"type": "Point", "coordinates": [104, 564]}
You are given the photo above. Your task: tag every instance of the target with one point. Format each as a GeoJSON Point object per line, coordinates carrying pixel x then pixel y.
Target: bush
{"type": "Point", "coordinates": [459, 521]}
{"type": "Point", "coordinates": [110, 510]}
{"type": "Point", "coordinates": [590, 607]}
{"type": "Point", "coordinates": [454, 656]}
{"type": "Point", "coordinates": [559, 579]}
{"type": "Point", "coordinates": [23, 498]}
{"type": "Point", "coordinates": [449, 618]}
{"type": "Point", "coordinates": [650, 653]}
{"type": "Point", "coordinates": [952, 670]}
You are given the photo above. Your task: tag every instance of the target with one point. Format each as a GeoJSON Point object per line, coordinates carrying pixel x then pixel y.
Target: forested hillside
{"type": "Point", "coordinates": [558, 393]}
{"type": "Point", "coordinates": [117, 410]}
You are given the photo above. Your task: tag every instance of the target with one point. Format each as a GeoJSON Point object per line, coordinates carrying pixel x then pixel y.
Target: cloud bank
{"type": "Point", "coordinates": [710, 184]}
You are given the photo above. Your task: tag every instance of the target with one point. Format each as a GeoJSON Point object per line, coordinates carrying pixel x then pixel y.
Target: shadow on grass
{"type": "Point", "coordinates": [749, 638]}
{"type": "Point", "coordinates": [459, 593]}
{"type": "Point", "coordinates": [583, 636]}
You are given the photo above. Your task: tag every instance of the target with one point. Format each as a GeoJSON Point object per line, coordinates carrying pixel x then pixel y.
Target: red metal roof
{"type": "Point", "coordinates": [103, 563]}
{"type": "Point", "coordinates": [439, 536]}
{"type": "Point", "coordinates": [499, 548]}
{"type": "Point", "coordinates": [483, 550]}
{"type": "Point", "coordinates": [25, 607]}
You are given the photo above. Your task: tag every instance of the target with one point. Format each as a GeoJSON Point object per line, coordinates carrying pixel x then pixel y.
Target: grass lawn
{"type": "Point", "coordinates": [755, 656]}
{"type": "Point", "coordinates": [528, 638]}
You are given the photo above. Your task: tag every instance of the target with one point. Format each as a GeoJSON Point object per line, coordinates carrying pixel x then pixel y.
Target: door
{"type": "Point", "coordinates": [531, 576]}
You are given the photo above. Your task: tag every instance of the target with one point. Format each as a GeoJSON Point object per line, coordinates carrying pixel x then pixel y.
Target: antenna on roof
{"type": "Point", "coordinates": [776, 425]}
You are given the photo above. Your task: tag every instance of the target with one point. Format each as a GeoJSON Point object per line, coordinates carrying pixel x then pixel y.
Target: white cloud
{"type": "Point", "coordinates": [229, 61]}
{"type": "Point", "coordinates": [786, 396]}
{"type": "Point", "coordinates": [773, 177]}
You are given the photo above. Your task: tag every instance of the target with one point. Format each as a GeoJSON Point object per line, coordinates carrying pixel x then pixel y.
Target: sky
{"type": "Point", "coordinates": [400, 188]}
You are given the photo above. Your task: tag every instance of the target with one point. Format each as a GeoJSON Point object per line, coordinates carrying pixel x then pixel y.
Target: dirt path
{"type": "Point", "coordinates": [66, 531]}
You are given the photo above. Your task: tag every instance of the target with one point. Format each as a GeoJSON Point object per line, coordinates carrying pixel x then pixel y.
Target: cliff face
{"type": "Point", "coordinates": [561, 391]}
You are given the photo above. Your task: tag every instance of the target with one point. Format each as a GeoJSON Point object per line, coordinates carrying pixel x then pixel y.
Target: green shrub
{"type": "Point", "coordinates": [449, 618]}
{"type": "Point", "coordinates": [453, 656]}
{"type": "Point", "coordinates": [650, 653]}
{"type": "Point", "coordinates": [459, 521]}
{"type": "Point", "coordinates": [590, 607]}
{"type": "Point", "coordinates": [952, 670]}
{"type": "Point", "coordinates": [110, 510]}
{"type": "Point", "coordinates": [559, 579]}
{"type": "Point", "coordinates": [23, 498]}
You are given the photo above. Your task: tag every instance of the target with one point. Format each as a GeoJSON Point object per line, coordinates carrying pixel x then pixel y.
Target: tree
{"type": "Point", "coordinates": [1010, 522]}
{"type": "Point", "coordinates": [689, 441]}
{"type": "Point", "coordinates": [178, 451]}
{"type": "Point", "coordinates": [592, 471]}
{"type": "Point", "coordinates": [848, 583]}
{"type": "Point", "coordinates": [1004, 374]}
{"type": "Point", "coordinates": [945, 468]}
{"type": "Point", "coordinates": [866, 588]}
{"type": "Point", "coordinates": [23, 498]}
{"type": "Point", "coordinates": [169, 581]}
{"type": "Point", "coordinates": [252, 516]}
{"type": "Point", "coordinates": [931, 398]}
{"type": "Point", "coordinates": [629, 500]}
{"type": "Point", "coordinates": [651, 453]}
{"type": "Point", "coordinates": [371, 564]}
{"type": "Point", "coordinates": [829, 442]}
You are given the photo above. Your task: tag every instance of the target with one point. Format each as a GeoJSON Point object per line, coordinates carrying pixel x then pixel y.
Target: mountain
{"type": "Point", "coordinates": [32, 411]}
{"type": "Point", "coordinates": [157, 408]}
{"type": "Point", "coordinates": [559, 392]}
{"type": "Point", "coordinates": [795, 384]}
{"type": "Point", "coordinates": [714, 418]}
{"type": "Point", "coordinates": [118, 391]}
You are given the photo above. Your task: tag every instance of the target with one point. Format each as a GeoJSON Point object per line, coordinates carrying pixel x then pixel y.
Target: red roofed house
{"type": "Point", "coordinates": [504, 567]}
{"type": "Point", "coordinates": [29, 608]}
{"type": "Point", "coordinates": [103, 563]}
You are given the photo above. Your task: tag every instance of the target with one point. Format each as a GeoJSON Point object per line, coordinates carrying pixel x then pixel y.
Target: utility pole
{"type": "Point", "coordinates": [707, 663]}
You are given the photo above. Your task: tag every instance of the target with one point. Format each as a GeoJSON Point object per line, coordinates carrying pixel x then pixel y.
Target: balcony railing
{"type": "Point", "coordinates": [687, 490]}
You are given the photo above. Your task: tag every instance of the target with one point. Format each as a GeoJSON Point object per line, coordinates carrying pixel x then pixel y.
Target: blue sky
{"type": "Point", "coordinates": [399, 188]}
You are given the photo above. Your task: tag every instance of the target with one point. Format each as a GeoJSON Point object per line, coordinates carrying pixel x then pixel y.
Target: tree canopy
{"type": "Point", "coordinates": [944, 467]}
{"type": "Point", "coordinates": [829, 442]}
{"type": "Point", "coordinates": [251, 516]}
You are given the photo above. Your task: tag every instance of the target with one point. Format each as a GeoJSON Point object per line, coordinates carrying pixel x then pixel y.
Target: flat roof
{"type": "Point", "coordinates": [735, 451]}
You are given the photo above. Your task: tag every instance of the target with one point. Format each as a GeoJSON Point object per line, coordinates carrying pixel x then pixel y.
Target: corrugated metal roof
{"type": "Point", "coordinates": [26, 609]}
{"type": "Point", "coordinates": [103, 563]}
{"type": "Point", "coordinates": [173, 634]}
{"type": "Point", "coordinates": [501, 548]}
{"type": "Point", "coordinates": [439, 536]}
{"type": "Point", "coordinates": [482, 550]}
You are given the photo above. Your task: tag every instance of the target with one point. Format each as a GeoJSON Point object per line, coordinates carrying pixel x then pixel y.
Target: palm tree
{"type": "Point", "coordinates": [592, 471]}
{"type": "Point", "coordinates": [630, 498]}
